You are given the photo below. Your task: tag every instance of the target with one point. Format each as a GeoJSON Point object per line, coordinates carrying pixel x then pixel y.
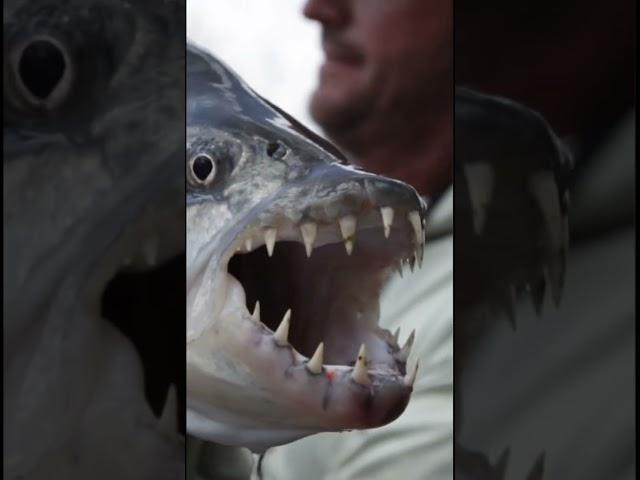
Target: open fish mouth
{"type": "Point", "coordinates": [298, 320]}
{"type": "Point", "coordinates": [142, 292]}
{"type": "Point", "coordinates": [315, 290]}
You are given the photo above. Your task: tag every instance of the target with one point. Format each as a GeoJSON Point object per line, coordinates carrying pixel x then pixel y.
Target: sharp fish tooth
{"type": "Point", "coordinates": [396, 335]}
{"type": "Point", "coordinates": [412, 263]}
{"type": "Point", "coordinates": [420, 255]}
{"type": "Point", "coordinates": [168, 421]}
{"type": "Point", "coordinates": [270, 235]}
{"type": "Point", "coordinates": [281, 336]}
{"type": "Point", "coordinates": [348, 230]}
{"type": "Point", "coordinates": [410, 377]}
{"type": "Point", "coordinates": [398, 266]}
{"type": "Point", "coordinates": [359, 373]}
{"type": "Point", "coordinates": [255, 316]}
{"type": "Point", "coordinates": [315, 364]}
{"type": "Point", "coordinates": [480, 179]}
{"type": "Point", "coordinates": [545, 190]}
{"type": "Point", "coordinates": [309, 231]}
{"type": "Point", "coordinates": [387, 220]}
{"type": "Point", "coordinates": [403, 354]}
{"type": "Point", "coordinates": [416, 223]}
{"type": "Point", "coordinates": [247, 244]}
{"type": "Point", "coordinates": [150, 251]}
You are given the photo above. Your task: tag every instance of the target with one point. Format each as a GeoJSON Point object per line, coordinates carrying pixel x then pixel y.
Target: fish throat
{"type": "Point", "coordinates": [333, 297]}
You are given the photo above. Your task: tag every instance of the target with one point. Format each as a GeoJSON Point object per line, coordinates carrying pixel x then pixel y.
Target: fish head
{"type": "Point", "coordinates": [288, 250]}
{"type": "Point", "coordinates": [92, 167]}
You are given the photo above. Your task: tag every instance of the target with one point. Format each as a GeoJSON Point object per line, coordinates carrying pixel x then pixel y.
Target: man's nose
{"type": "Point", "coordinates": [331, 13]}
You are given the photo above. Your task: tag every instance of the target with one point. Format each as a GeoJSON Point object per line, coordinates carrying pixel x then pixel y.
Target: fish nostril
{"type": "Point", "coordinates": [276, 150]}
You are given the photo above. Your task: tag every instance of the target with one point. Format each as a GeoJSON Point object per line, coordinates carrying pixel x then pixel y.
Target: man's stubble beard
{"type": "Point", "coordinates": [383, 110]}
{"type": "Point", "coordinates": [342, 121]}
{"type": "Point", "coordinates": [401, 129]}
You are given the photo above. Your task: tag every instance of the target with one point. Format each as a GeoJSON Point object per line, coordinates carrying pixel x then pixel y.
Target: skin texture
{"type": "Point", "coordinates": [384, 92]}
{"type": "Point", "coordinates": [244, 387]}
{"type": "Point", "coordinates": [86, 175]}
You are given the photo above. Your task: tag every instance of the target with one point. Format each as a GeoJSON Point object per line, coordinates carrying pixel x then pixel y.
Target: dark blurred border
{"type": "Point", "coordinates": [553, 395]}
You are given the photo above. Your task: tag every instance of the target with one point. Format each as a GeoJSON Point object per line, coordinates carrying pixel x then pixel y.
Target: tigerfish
{"type": "Point", "coordinates": [93, 185]}
{"type": "Point", "coordinates": [288, 250]}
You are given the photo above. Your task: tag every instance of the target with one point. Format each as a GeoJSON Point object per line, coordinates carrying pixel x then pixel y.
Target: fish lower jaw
{"type": "Point", "coordinates": [388, 360]}
{"type": "Point", "coordinates": [247, 381]}
{"type": "Point", "coordinates": [283, 329]}
{"type": "Point", "coordinates": [270, 397]}
{"type": "Point", "coordinates": [227, 432]}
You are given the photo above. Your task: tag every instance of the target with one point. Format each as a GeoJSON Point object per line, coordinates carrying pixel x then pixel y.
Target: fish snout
{"type": "Point", "coordinates": [334, 202]}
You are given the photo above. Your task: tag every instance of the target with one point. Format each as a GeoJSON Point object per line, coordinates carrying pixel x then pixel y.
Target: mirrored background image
{"type": "Point", "coordinates": [544, 362]}
{"type": "Point", "coordinates": [93, 240]}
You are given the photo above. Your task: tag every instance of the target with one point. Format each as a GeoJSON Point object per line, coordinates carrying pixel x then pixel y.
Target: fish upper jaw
{"type": "Point", "coordinates": [288, 342]}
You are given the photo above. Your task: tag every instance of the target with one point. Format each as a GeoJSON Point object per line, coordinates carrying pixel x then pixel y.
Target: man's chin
{"type": "Point", "coordinates": [340, 106]}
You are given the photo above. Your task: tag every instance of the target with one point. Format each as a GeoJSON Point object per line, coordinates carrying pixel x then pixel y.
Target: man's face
{"type": "Point", "coordinates": [380, 55]}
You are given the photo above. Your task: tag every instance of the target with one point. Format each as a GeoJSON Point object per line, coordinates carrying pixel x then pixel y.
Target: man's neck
{"type": "Point", "coordinates": [417, 151]}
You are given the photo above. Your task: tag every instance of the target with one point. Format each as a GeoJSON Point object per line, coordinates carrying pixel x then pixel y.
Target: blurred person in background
{"type": "Point", "coordinates": [562, 384]}
{"type": "Point", "coordinates": [385, 97]}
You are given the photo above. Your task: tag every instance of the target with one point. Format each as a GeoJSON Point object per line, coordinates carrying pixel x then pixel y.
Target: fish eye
{"type": "Point", "coordinates": [276, 150]}
{"type": "Point", "coordinates": [203, 168]}
{"type": "Point", "coordinates": [43, 71]}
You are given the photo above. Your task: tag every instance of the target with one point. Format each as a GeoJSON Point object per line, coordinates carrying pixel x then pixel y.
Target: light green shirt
{"type": "Point", "coordinates": [419, 444]}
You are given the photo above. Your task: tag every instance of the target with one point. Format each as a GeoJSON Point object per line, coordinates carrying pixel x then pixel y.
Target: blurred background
{"type": "Point", "coordinates": [270, 44]}
{"type": "Point", "coordinates": [560, 388]}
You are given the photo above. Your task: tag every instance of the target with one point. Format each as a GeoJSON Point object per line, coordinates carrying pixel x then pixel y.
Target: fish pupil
{"type": "Point", "coordinates": [41, 68]}
{"type": "Point", "coordinates": [202, 167]}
